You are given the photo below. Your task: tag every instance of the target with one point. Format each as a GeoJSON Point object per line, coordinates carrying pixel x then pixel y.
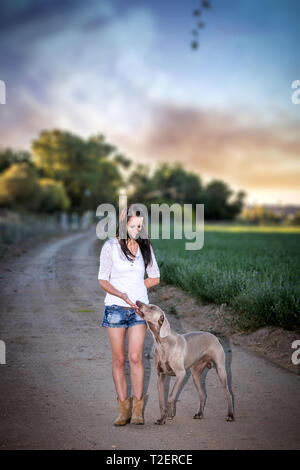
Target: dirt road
{"type": "Point", "coordinates": [57, 391]}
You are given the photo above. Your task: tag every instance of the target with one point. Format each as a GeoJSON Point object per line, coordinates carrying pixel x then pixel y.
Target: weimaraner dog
{"type": "Point", "coordinates": [175, 353]}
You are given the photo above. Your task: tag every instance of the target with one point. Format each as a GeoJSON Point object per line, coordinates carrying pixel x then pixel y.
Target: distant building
{"type": "Point", "coordinates": [290, 209]}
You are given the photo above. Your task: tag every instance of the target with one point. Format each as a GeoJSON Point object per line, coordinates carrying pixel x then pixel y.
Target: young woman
{"type": "Point", "coordinates": [121, 275]}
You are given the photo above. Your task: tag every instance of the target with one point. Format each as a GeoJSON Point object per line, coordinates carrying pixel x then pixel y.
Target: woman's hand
{"type": "Point", "coordinates": [128, 301]}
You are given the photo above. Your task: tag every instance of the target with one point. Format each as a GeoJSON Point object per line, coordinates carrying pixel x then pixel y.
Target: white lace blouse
{"type": "Point", "coordinates": [126, 276]}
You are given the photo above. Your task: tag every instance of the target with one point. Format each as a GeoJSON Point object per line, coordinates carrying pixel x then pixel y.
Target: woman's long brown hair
{"type": "Point", "coordinates": [144, 243]}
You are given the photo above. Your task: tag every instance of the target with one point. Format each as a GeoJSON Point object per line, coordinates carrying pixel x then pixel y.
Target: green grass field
{"type": "Point", "coordinates": [254, 270]}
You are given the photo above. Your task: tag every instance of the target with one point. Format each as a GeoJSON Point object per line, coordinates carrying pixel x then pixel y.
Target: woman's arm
{"type": "Point", "coordinates": [151, 281]}
{"type": "Point", "coordinates": [108, 287]}
{"type": "Point", "coordinates": [153, 272]}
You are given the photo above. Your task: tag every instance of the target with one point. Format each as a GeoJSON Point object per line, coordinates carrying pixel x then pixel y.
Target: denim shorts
{"type": "Point", "coordinates": [116, 316]}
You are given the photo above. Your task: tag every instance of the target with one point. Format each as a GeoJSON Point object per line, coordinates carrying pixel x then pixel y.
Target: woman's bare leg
{"type": "Point", "coordinates": [136, 338]}
{"type": "Point", "coordinates": [117, 344]}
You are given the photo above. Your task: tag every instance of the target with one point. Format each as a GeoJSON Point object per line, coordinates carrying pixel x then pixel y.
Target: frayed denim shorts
{"type": "Point", "coordinates": [116, 316]}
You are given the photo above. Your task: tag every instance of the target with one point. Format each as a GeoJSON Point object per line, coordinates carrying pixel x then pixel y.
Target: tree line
{"type": "Point", "coordinates": [64, 172]}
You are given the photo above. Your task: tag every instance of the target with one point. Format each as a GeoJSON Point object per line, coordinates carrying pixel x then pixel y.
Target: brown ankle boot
{"type": "Point", "coordinates": [124, 415]}
{"type": "Point", "coordinates": [137, 411]}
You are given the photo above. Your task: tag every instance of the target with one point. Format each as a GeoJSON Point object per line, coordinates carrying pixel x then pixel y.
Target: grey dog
{"type": "Point", "coordinates": [175, 353]}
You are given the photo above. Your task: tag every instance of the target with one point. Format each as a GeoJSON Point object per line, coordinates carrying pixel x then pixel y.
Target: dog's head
{"type": "Point", "coordinates": [155, 318]}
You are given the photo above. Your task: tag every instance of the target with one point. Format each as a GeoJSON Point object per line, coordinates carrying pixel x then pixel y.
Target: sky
{"type": "Point", "coordinates": [125, 69]}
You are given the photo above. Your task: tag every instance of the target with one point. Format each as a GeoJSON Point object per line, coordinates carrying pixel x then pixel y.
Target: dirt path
{"type": "Point", "coordinates": [57, 390]}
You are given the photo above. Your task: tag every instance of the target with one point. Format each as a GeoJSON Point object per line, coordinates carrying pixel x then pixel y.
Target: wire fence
{"type": "Point", "coordinates": [16, 227]}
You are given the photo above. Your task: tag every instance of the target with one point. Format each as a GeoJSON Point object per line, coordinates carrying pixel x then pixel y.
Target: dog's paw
{"type": "Point", "coordinates": [198, 416]}
{"type": "Point", "coordinates": [170, 411]}
{"type": "Point", "coordinates": [160, 421]}
{"type": "Point", "coordinates": [230, 417]}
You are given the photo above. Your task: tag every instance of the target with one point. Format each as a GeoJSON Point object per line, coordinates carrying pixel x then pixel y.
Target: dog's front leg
{"type": "Point", "coordinates": [161, 379]}
{"type": "Point", "coordinates": [179, 379]}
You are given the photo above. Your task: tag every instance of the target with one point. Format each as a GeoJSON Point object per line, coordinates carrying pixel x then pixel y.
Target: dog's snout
{"type": "Point", "coordinates": [139, 303]}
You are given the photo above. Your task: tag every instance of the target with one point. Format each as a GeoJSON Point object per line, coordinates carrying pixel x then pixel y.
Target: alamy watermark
{"type": "Point", "coordinates": [2, 352]}
{"type": "Point", "coordinates": [2, 92]}
{"type": "Point", "coordinates": [296, 94]}
{"type": "Point", "coordinates": [296, 355]}
{"type": "Point", "coordinates": [159, 218]}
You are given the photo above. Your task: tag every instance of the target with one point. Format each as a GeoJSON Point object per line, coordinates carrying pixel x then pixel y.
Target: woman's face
{"type": "Point", "coordinates": [134, 226]}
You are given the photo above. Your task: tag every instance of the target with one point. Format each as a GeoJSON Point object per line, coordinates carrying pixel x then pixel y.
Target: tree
{"type": "Point", "coordinates": [53, 196]}
{"type": "Point", "coordinates": [84, 167]}
{"type": "Point", "coordinates": [140, 186]}
{"type": "Point", "coordinates": [216, 201]}
{"type": "Point", "coordinates": [19, 187]}
{"type": "Point", "coordinates": [169, 183]}
{"type": "Point", "coordinates": [176, 184]}
{"type": "Point", "coordinates": [8, 157]}
{"type": "Point", "coordinates": [123, 161]}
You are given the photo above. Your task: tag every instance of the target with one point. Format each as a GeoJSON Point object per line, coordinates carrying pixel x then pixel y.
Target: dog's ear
{"type": "Point", "coordinates": [165, 329]}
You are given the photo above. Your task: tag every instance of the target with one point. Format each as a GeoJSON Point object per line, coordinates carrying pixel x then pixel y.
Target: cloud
{"type": "Point", "coordinates": [92, 69]}
{"type": "Point", "coordinates": [88, 77]}
{"type": "Point", "coordinates": [17, 15]}
{"type": "Point", "coordinates": [243, 150]}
